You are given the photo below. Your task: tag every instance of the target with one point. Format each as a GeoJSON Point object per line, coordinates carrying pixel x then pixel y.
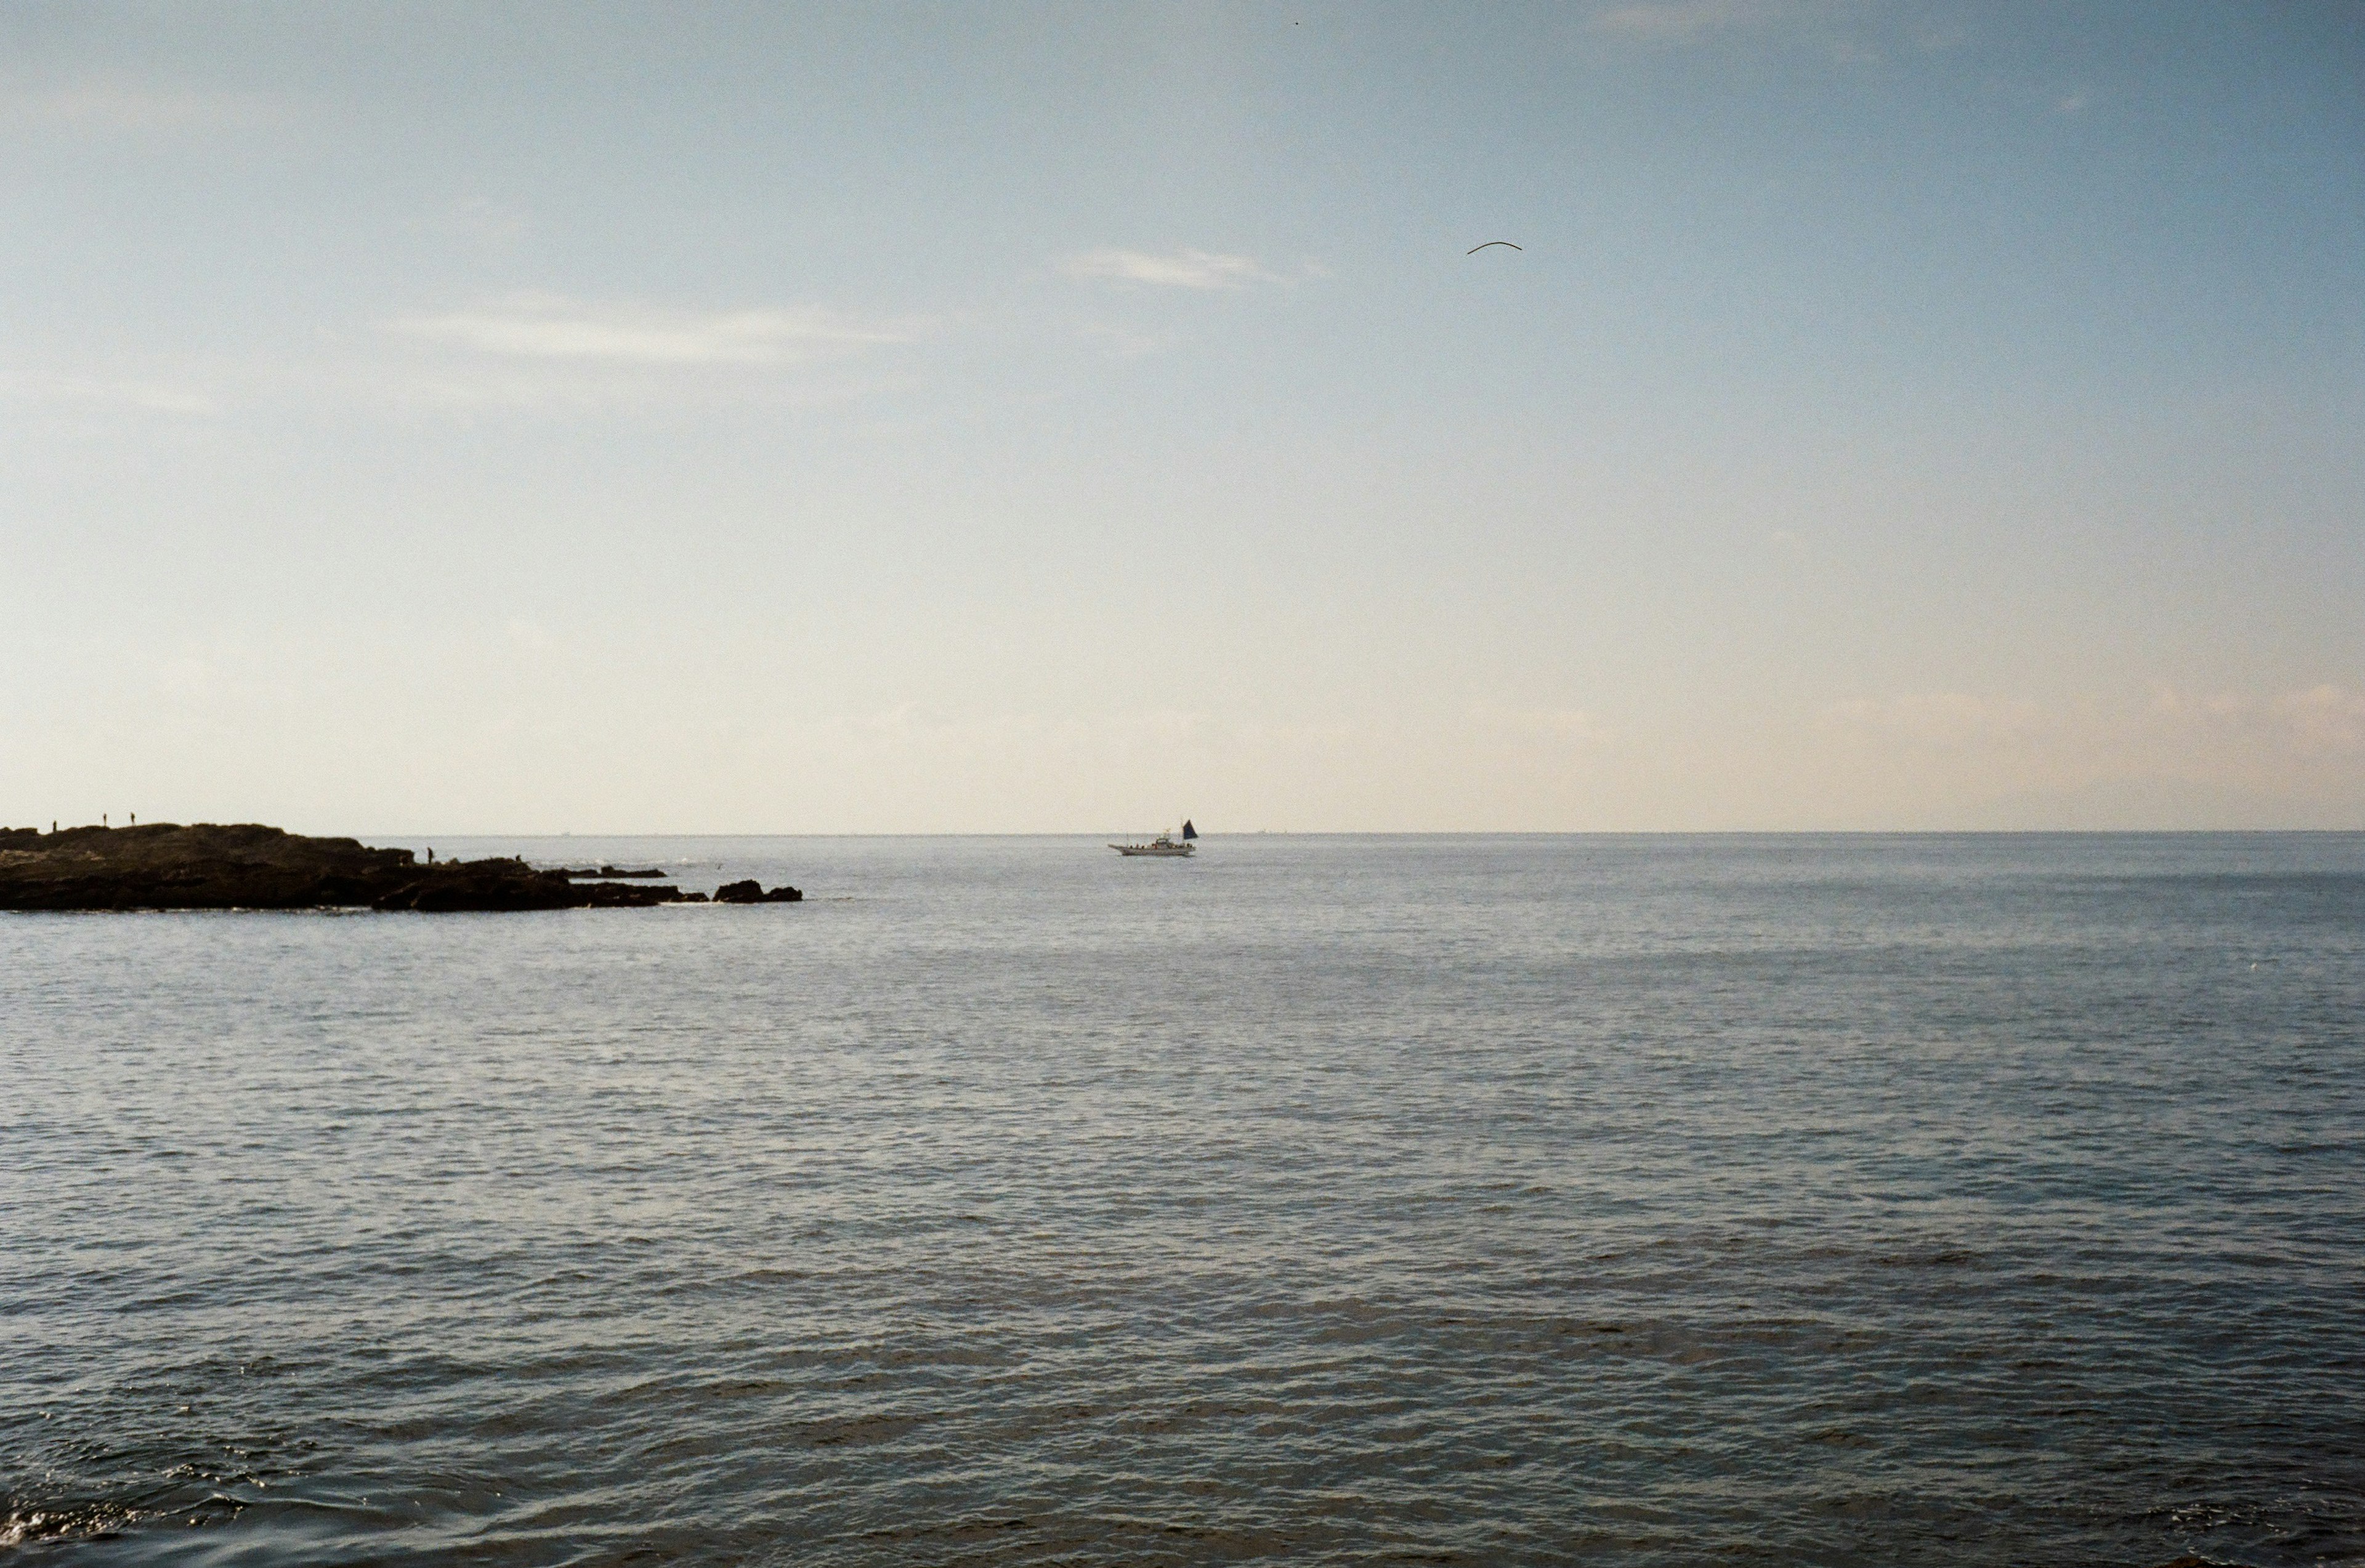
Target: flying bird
{"type": "Point", "coordinates": [1476, 249]}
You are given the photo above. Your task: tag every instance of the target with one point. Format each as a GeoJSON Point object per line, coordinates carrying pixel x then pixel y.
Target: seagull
{"type": "Point", "coordinates": [1476, 249]}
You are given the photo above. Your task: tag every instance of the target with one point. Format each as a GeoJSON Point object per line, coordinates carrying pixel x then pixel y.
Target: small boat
{"type": "Point", "coordinates": [1164, 844]}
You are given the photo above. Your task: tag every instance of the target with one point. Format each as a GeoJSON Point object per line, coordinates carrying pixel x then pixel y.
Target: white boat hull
{"type": "Point", "coordinates": [1166, 850]}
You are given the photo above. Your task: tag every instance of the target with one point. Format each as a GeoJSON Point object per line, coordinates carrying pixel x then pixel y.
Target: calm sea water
{"type": "Point", "coordinates": [1850, 1200]}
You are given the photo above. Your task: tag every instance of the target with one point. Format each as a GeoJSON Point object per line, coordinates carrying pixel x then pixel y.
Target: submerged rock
{"type": "Point", "coordinates": [247, 866]}
{"type": "Point", "coordinates": [499, 885]}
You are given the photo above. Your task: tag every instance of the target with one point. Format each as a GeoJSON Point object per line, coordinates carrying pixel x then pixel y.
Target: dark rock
{"type": "Point", "coordinates": [612, 871]}
{"type": "Point", "coordinates": [162, 866]}
{"type": "Point", "coordinates": [505, 884]}
{"type": "Point", "coordinates": [752, 891]}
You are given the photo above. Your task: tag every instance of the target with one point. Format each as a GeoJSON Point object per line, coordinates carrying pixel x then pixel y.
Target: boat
{"type": "Point", "coordinates": [1171, 845]}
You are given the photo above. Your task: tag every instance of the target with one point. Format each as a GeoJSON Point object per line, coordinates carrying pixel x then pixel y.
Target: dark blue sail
{"type": "Point", "coordinates": [1188, 831]}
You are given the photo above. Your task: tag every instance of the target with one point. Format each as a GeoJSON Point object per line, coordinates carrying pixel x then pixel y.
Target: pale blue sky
{"type": "Point", "coordinates": [437, 418]}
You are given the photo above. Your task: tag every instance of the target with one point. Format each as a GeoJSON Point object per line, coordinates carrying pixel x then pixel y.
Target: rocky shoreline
{"type": "Point", "coordinates": [161, 866]}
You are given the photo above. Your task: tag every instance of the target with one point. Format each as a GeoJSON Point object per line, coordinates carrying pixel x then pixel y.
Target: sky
{"type": "Point", "coordinates": [1047, 417]}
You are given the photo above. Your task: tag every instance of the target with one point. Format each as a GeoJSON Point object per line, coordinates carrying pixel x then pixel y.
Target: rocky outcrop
{"type": "Point", "coordinates": [164, 866]}
{"type": "Point", "coordinates": [612, 871]}
{"type": "Point", "coordinates": [512, 885]}
{"type": "Point", "coordinates": [752, 891]}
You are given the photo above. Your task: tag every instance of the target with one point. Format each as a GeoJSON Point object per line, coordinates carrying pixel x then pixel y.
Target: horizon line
{"type": "Point", "coordinates": [1473, 832]}
{"type": "Point", "coordinates": [1272, 832]}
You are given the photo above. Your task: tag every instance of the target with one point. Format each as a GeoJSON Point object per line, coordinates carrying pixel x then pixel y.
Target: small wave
{"type": "Point", "coordinates": [62, 1521]}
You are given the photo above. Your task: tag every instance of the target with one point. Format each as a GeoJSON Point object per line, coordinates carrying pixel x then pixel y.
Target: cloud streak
{"type": "Point", "coordinates": [1945, 721]}
{"type": "Point", "coordinates": [120, 105]}
{"type": "Point", "coordinates": [1679, 21]}
{"type": "Point", "coordinates": [2315, 725]}
{"type": "Point", "coordinates": [1202, 270]}
{"type": "Point", "coordinates": [138, 396]}
{"type": "Point", "coordinates": [1570, 726]}
{"type": "Point", "coordinates": [553, 327]}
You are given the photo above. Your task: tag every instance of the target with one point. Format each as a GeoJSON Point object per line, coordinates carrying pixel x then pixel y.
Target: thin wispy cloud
{"type": "Point", "coordinates": [137, 395]}
{"type": "Point", "coordinates": [146, 396]}
{"type": "Point", "coordinates": [1681, 21]}
{"type": "Point", "coordinates": [1848, 33]}
{"type": "Point", "coordinates": [1569, 725]}
{"type": "Point", "coordinates": [494, 224]}
{"type": "Point", "coordinates": [2324, 720]}
{"type": "Point", "coordinates": [2318, 721]}
{"type": "Point", "coordinates": [1127, 342]}
{"type": "Point", "coordinates": [553, 327]}
{"type": "Point", "coordinates": [1182, 269]}
{"type": "Point", "coordinates": [2193, 731]}
{"type": "Point", "coordinates": [125, 104]}
{"type": "Point", "coordinates": [1946, 721]}
{"type": "Point", "coordinates": [530, 636]}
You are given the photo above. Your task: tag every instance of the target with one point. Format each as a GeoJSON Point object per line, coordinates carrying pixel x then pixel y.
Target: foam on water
{"type": "Point", "coordinates": [1835, 1200]}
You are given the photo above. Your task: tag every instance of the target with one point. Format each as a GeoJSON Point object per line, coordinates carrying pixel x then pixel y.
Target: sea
{"type": "Point", "coordinates": [1656, 1200]}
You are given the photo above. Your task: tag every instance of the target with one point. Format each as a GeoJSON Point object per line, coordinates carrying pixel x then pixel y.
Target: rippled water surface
{"type": "Point", "coordinates": [1321, 1200]}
